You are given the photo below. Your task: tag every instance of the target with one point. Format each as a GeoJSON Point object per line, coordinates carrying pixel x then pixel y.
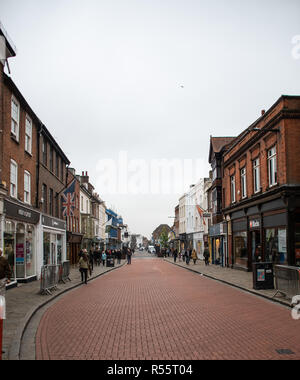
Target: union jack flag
{"type": "Point", "coordinates": [68, 200]}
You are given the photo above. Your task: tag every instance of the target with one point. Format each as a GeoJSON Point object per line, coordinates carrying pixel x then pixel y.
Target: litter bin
{"type": "Point", "coordinates": [110, 262]}
{"type": "Point", "coordinates": [263, 276]}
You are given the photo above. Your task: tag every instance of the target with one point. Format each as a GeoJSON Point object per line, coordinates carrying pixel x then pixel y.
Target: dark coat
{"type": "Point", "coordinates": [5, 271]}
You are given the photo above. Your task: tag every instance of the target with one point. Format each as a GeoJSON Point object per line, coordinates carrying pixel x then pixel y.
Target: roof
{"type": "Point", "coordinates": [11, 50]}
{"type": "Point", "coordinates": [218, 143]}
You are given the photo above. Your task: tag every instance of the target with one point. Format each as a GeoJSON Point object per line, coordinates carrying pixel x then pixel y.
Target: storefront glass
{"type": "Point", "coordinates": [276, 247]}
{"type": "Point", "coordinates": [47, 257]}
{"type": "Point", "coordinates": [20, 251]}
{"type": "Point", "coordinates": [30, 249]}
{"type": "Point", "coordinates": [59, 248]}
{"type": "Point", "coordinates": [9, 245]}
{"type": "Point", "coordinates": [240, 249]}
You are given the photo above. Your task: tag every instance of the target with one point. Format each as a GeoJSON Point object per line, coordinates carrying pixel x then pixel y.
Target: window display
{"type": "Point", "coordinates": [276, 249]}
{"type": "Point", "coordinates": [240, 248]}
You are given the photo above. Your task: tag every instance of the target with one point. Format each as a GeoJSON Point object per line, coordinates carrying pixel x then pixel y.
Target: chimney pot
{"type": "Point", "coordinates": [263, 112]}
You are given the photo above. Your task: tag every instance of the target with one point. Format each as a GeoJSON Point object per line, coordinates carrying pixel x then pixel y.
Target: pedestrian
{"type": "Point", "coordinates": [104, 257]}
{"type": "Point", "coordinates": [91, 262]}
{"type": "Point", "coordinates": [187, 258]}
{"type": "Point", "coordinates": [206, 256]}
{"type": "Point", "coordinates": [129, 255]}
{"type": "Point", "coordinates": [194, 256]}
{"type": "Point", "coordinates": [84, 266]}
{"type": "Point", "coordinates": [175, 254]}
{"type": "Point", "coordinates": [5, 270]}
{"type": "Point", "coordinates": [119, 256]}
{"type": "Point", "coordinates": [183, 255]}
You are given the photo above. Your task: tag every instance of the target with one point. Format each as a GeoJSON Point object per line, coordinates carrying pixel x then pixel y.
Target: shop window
{"type": "Point", "coordinates": [240, 249]}
{"type": "Point", "coordinates": [276, 246]}
{"type": "Point", "coordinates": [30, 249]}
{"type": "Point", "coordinates": [46, 244]}
{"type": "Point", "coordinates": [9, 245]}
{"type": "Point", "coordinates": [59, 248]}
{"type": "Point", "coordinates": [20, 251]}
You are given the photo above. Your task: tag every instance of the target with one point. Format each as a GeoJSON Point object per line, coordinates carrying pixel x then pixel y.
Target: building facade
{"type": "Point", "coordinates": [261, 186]}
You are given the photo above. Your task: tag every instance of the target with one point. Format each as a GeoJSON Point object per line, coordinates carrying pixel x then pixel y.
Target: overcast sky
{"type": "Point", "coordinates": [153, 78]}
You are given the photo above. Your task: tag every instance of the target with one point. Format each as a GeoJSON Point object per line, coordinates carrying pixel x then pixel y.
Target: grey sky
{"type": "Point", "coordinates": [106, 76]}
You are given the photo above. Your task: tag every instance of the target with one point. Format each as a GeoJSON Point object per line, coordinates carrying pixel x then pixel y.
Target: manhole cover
{"type": "Point", "coordinates": [285, 352]}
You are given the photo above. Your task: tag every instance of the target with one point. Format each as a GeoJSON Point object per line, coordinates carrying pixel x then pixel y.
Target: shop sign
{"type": "Point", "coordinates": [254, 223]}
{"type": "Point", "coordinates": [23, 214]}
{"type": "Point", "coordinates": [53, 223]}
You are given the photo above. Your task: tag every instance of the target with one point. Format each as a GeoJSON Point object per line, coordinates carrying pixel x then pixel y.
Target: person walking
{"type": "Point", "coordinates": [91, 262]}
{"type": "Point", "coordinates": [175, 255]}
{"type": "Point", "coordinates": [5, 270]}
{"type": "Point", "coordinates": [187, 257]}
{"type": "Point", "coordinates": [194, 256]}
{"type": "Point", "coordinates": [129, 255]}
{"type": "Point", "coordinates": [206, 256]}
{"type": "Point", "coordinates": [119, 256]}
{"type": "Point", "coordinates": [103, 258]}
{"type": "Point", "coordinates": [84, 266]}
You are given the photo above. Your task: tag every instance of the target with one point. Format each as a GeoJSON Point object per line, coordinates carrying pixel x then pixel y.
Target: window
{"type": "Point", "coordinates": [44, 151]}
{"type": "Point", "coordinates": [256, 175]}
{"type": "Point", "coordinates": [13, 179]}
{"type": "Point", "coordinates": [244, 183]}
{"type": "Point", "coordinates": [27, 187]}
{"type": "Point", "coordinates": [272, 166]}
{"type": "Point", "coordinates": [51, 202]}
{"type": "Point", "coordinates": [232, 186]}
{"type": "Point", "coordinates": [44, 198]}
{"type": "Point", "coordinates": [51, 159]}
{"type": "Point", "coordinates": [57, 165]}
{"type": "Point", "coordinates": [57, 205]}
{"type": "Point", "coordinates": [15, 118]}
{"type": "Point", "coordinates": [28, 135]}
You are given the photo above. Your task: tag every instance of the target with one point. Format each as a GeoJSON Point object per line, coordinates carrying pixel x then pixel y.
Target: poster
{"type": "Point", "coordinates": [282, 240]}
{"type": "Point", "coordinates": [20, 253]}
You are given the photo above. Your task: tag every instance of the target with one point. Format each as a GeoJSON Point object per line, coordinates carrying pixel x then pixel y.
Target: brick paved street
{"type": "Point", "coordinates": [155, 310]}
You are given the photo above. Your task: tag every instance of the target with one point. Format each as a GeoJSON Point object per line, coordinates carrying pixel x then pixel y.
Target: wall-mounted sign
{"type": "Point", "coordinates": [53, 223]}
{"type": "Point", "coordinates": [255, 223]}
{"type": "Point", "coordinates": [14, 211]}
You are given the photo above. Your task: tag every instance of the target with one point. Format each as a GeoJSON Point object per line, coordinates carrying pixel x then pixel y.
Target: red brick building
{"type": "Point", "coordinates": [261, 188]}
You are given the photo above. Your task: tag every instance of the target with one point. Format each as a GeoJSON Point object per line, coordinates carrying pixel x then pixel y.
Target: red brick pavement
{"type": "Point", "coordinates": [154, 310]}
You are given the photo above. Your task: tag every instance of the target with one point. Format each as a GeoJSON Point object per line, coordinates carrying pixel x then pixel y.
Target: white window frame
{"type": "Point", "coordinates": [244, 183]}
{"type": "Point", "coordinates": [232, 189]}
{"type": "Point", "coordinates": [256, 176]}
{"type": "Point", "coordinates": [27, 192]}
{"type": "Point", "coordinates": [28, 134]}
{"type": "Point", "coordinates": [15, 123]}
{"type": "Point", "coordinates": [272, 166]}
{"type": "Point", "coordinates": [14, 190]}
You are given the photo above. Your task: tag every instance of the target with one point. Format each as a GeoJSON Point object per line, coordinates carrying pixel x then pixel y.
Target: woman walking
{"type": "Point", "coordinates": [84, 266]}
{"type": "Point", "coordinates": [103, 258]}
{"type": "Point", "coordinates": [194, 256]}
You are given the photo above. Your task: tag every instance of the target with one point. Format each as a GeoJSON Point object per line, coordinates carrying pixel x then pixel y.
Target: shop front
{"type": "Point", "coordinates": [240, 244]}
{"type": "Point", "coordinates": [54, 241]}
{"type": "Point", "coordinates": [20, 241]}
{"type": "Point", "coordinates": [199, 244]}
{"type": "Point", "coordinates": [275, 238]}
{"type": "Point", "coordinates": [73, 247]}
{"type": "Point", "coordinates": [218, 244]}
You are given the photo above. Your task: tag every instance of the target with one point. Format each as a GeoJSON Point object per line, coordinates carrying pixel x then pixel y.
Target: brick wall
{"type": "Point", "coordinates": [15, 150]}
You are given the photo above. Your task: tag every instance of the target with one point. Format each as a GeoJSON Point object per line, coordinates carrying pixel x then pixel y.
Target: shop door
{"type": "Point", "coordinates": [255, 247]}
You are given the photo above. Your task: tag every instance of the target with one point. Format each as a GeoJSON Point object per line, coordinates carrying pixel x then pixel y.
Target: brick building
{"type": "Point", "coordinates": [217, 230]}
{"type": "Point", "coordinates": [261, 188]}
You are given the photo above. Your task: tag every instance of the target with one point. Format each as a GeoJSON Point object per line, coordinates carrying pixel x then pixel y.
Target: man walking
{"type": "Point", "coordinates": [5, 270]}
{"type": "Point", "coordinates": [129, 255]}
{"type": "Point", "coordinates": [206, 256]}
